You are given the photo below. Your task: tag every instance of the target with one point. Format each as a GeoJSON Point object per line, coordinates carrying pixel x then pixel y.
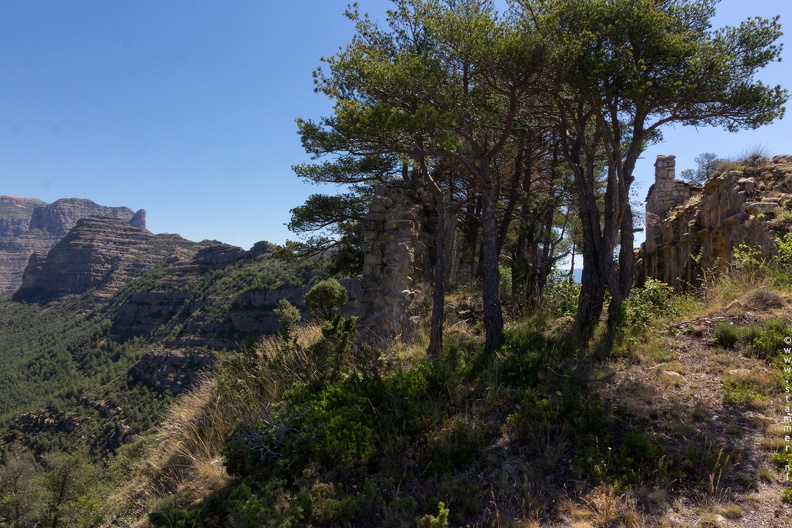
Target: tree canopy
{"type": "Point", "coordinates": [479, 104]}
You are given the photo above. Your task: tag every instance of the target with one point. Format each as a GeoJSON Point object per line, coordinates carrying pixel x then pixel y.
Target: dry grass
{"type": "Point", "coordinates": [602, 507]}
{"type": "Point", "coordinates": [183, 460]}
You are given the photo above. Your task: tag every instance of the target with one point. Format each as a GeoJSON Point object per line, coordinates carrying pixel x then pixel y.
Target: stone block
{"type": "Point", "coordinates": [747, 183]}
{"type": "Point", "coordinates": [374, 217]}
{"type": "Point", "coordinates": [394, 225]}
{"type": "Point", "coordinates": [761, 208]}
{"type": "Point", "coordinates": [372, 226]}
{"type": "Point", "coordinates": [372, 259]}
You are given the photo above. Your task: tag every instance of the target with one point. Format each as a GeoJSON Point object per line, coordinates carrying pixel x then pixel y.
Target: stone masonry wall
{"type": "Point", "coordinates": [664, 195]}
{"type": "Point", "coordinates": [699, 232]}
{"type": "Point", "coordinates": [396, 257]}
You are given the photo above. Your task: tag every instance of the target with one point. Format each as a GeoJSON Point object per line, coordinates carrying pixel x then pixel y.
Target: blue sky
{"type": "Point", "coordinates": [187, 109]}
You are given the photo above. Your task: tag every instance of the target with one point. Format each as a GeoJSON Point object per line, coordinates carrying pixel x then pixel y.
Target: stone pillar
{"type": "Point", "coordinates": [665, 168]}
{"type": "Point", "coordinates": [663, 195]}
{"type": "Point", "coordinates": [396, 246]}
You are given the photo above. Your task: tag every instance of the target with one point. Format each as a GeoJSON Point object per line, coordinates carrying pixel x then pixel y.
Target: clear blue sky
{"type": "Point", "coordinates": [187, 108]}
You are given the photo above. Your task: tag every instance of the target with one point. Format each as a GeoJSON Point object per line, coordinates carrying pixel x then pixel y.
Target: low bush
{"type": "Point", "coordinates": [725, 335]}
{"type": "Point", "coordinates": [561, 295]}
{"type": "Point", "coordinates": [325, 299]}
{"type": "Point", "coordinates": [654, 300]}
{"type": "Point", "coordinates": [770, 341]}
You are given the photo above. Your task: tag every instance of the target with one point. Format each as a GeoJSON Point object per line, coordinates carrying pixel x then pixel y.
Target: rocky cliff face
{"type": "Point", "coordinates": [180, 294]}
{"type": "Point", "coordinates": [28, 225]}
{"type": "Point", "coordinates": [88, 256]}
{"type": "Point", "coordinates": [58, 218]}
{"type": "Point", "coordinates": [15, 249]}
{"type": "Point", "coordinates": [178, 300]}
{"type": "Point", "coordinates": [699, 230]}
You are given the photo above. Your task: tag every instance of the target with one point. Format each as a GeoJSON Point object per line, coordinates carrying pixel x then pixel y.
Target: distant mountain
{"type": "Point", "coordinates": [29, 225]}
{"type": "Point", "coordinates": [112, 320]}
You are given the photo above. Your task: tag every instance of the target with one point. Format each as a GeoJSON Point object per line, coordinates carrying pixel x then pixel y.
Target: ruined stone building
{"type": "Point", "coordinates": [399, 237]}
{"type": "Point", "coordinates": [691, 229]}
{"type": "Point", "coordinates": [397, 256]}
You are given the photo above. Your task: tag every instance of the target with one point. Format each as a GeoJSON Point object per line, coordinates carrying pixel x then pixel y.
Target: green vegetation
{"type": "Point", "coordinates": [517, 125]}
{"type": "Point", "coordinates": [531, 124]}
{"type": "Point", "coordinates": [288, 317]}
{"type": "Point", "coordinates": [336, 438]}
{"type": "Point", "coordinates": [55, 351]}
{"type": "Point", "coordinates": [61, 490]}
{"type": "Point", "coordinates": [325, 299]}
{"type": "Point", "coordinates": [73, 405]}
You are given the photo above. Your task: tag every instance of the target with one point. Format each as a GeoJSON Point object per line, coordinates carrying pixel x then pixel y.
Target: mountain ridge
{"type": "Point", "coordinates": [30, 225]}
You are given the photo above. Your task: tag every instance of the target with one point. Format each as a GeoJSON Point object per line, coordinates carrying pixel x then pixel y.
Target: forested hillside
{"type": "Point", "coordinates": [84, 374]}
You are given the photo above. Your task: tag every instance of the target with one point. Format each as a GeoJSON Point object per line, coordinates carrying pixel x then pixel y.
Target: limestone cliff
{"type": "Point", "coordinates": [15, 249]}
{"type": "Point", "coordinates": [179, 300]}
{"type": "Point", "coordinates": [91, 254]}
{"type": "Point", "coordinates": [166, 289]}
{"type": "Point", "coordinates": [28, 225]}
{"type": "Point", "coordinates": [690, 229]}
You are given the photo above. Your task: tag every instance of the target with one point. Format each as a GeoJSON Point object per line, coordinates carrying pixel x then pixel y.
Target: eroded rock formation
{"type": "Point", "coordinates": [28, 225]}
{"type": "Point", "coordinates": [83, 259]}
{"type": "Point", "coordinates": [691, 229]}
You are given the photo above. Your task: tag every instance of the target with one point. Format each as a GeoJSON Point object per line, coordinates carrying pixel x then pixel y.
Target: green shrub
{"type": "Point", "coordinates": [530, 351]}
{"type": "Point", "coordinates": [786, 495]}
{"type": "Point", "coordinates": [652, 301]}
{"type": "Point", "coordinates": [332, 354]}
{"type": "Point", "coordinates": [561, 295]}
{"type": "Point", "coordinates": [288, 317]}
{"type": "Point", "coordinates": [725, 335]}
{"type": "Point", "coordinates": [505, 286]}
{"type": "Point", "coordinates": [642, 459]}
{"type": "Point", "coordinates": [770, 342]}
{"type": "Point", "coordinates": [461, 494]}
{"type": "Point", "coordinates": [783, 257]}
{"type": "Point", "coordinates": [430, 521]}
{"type": "Point", "coordinates": [747, 262]}
{"type": "Point", "coordinates": [746, 393]}
{"type": "Point", "coordinates": [750, 334]}
{"type": "Point", "coordinates": [453, 447]}
{"type": "Point", "coordinates": [324, 299]}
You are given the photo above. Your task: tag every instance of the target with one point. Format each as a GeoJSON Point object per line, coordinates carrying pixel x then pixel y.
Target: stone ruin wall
{"type": "Point", "coordinates": [690, 230]}
{"type": "Point", "coordinates": [399, 247]}
{"type": "Point", "coordinates": [395, 256]}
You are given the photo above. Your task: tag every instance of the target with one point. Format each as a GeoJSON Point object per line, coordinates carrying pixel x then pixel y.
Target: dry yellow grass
{"type": "Point", "coordinates": [183, 460]}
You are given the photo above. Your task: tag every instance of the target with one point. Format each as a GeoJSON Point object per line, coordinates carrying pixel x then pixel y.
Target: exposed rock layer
{"type": "Point", "coordinates": [186, 299]}
{"type": "Point", "coordinates": [688, 234]}
{"type": "Point", "coordinates": [28, 225]}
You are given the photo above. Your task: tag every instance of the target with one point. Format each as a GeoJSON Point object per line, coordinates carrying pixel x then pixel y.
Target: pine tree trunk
{"type": "Point", "coordinates": [435, 347]}
{"type": "Point", "coordinates": [493, 315]}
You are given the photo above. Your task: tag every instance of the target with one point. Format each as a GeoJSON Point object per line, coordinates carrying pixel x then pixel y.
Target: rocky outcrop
{"type": "Point", "coordinates": [689, 232]}
{"type": "Point", "coordinates": [85, 258]}
{"type": "Point", "coordinates": [184, 299]}
{"type": "Point", "coordinates": [28, 225]}
{"type": "Point", "coordinates": [174, 371]}
{"type": "Point", "coordinates": [15, 249]}
{"type": "Point", "coordinates": [15, 215]}
{"type": "Point", "coordinates": [58, 218]}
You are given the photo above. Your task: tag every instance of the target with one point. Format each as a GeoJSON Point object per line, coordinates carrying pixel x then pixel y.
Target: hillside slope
{"type": "Point", "coordinates": [113, 320]}
{"type": "Point", "coordinates": [688, 431]}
